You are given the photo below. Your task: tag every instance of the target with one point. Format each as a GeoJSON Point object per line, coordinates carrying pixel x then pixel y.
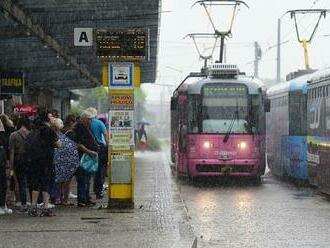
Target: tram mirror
{"type": "Point", "coordinates": [267, 105]}
{"type": "Point", "coordinates": [174, 103]}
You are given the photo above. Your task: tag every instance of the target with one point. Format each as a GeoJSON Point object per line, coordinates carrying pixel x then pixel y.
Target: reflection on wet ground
{"type": "Point", "coordinates": [237, 213]}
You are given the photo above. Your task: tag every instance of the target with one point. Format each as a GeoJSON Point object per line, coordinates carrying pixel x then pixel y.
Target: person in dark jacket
{"type": "Point", "coordinates": [86, 144]}
{"type": "Point", "coordinates": [18, 160]}
{"type": "Point", "coordinates": [3, 172]}
{"type": "Point", "coordinates": [42, 166]}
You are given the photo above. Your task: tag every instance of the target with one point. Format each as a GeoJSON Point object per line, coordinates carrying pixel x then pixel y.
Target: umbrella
{"type": "Point", "coordinates": [143, 122]}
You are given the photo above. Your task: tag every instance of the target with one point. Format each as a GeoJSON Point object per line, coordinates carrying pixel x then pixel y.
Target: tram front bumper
{"type": "Point", "coordinates": [214, 167]}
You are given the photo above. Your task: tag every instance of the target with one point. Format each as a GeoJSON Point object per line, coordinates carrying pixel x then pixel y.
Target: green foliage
{"type": "Point", "coordinates": [96, 97]}
{"type": "Point", "coordinates": [76, 110]}
{"type": "Point", "coordinates": [139, 95]}
{"type": "Point", "coordinates": [153, 144]}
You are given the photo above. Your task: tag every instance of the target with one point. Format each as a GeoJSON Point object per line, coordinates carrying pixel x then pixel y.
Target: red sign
{"type": "Point", "coordinates": [25, 109]}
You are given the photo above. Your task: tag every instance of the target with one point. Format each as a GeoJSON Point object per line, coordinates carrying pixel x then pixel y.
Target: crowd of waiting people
{"type": "Point", "coordinates": [40, 157]}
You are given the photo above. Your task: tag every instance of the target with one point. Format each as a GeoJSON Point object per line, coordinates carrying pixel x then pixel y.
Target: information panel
{"type": "Point", "coordinates": [121, 167]}
{"type": "Point", "coordinates": [122, 45]}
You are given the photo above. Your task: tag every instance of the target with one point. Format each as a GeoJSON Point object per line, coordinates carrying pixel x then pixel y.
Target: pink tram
{"type": "Point", "coordinates": [218, 124]}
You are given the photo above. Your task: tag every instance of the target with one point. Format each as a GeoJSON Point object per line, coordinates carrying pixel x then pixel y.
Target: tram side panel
{"type": "Point", "coordinates": [296, 141]}
{"type": "Point", "coordinates": [318, 140]}
{"type": "Point", "coordinates": [277, 130]}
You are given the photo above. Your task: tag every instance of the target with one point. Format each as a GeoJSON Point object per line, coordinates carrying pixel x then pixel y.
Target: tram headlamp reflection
{"type": "Point", "coordinates": [242, 145]}
{"type": "Point", "coordinates": [207, 144]}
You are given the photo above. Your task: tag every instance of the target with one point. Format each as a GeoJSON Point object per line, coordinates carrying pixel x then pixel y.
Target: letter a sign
{"type": "Point", "coordinates": [83, 36]}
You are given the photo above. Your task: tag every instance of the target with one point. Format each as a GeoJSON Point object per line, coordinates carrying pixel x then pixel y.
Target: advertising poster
{"type": "Point", "coordinates": [121, 102]}
{"type": "Point", "coordinates": [121, 123]}
{"type": "Point", "coordinates": [121, 119]}
{"type": "Point", "coordinates": [121, 76]}
{"type": "Point", "coordinates": [121, 140]}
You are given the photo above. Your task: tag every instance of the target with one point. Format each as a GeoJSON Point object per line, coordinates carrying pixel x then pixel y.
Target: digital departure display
{"type": "Point", "coordinates": [122, 45]}
{"type": "Point", "coordinates": [224, 90]}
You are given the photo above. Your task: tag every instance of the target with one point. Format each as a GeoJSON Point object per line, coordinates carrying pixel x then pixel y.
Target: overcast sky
{"type": "Point", "coordinates": [177, 56]}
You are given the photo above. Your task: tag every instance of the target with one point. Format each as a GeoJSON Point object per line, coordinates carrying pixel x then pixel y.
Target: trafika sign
{"type": "Point", "coordinates": [83, 36]}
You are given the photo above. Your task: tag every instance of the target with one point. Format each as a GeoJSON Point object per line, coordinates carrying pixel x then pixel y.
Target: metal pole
{"type": "Point", "coordinates": [305, 46]}
{"type": "Point", "coordinates": [225, 53]}
{"type": "Point", "coordinates": [278, 73]}
{"type": "Point", "coordinates": [256, 59]}
{"type": "Point", "coordinates": [222, 43]}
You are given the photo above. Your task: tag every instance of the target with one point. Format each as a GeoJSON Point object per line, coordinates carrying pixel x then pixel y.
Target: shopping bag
{"type": "Point", "coordinates": [89, 163]}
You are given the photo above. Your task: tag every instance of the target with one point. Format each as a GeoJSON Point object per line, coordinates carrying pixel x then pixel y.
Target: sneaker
{"type": "Point", "coordinates": [23, 208]}
{"type": "Point", "coordinates": [8, 210]}
{"type": "Point", "coordinates": [105, 186]}
{"type": "Point", "coordinates": [41, 205]}
{"type": "Point", "coordinates": [51, 205]}
{"type": "Point", "coordinates": [72, 196]}
{"type": "Point", "coordinates": [2, 211]}
{"type": "Point", "coordinates": [47, 212]}
{"type": "Point", "coordinates": [90, 204]}
{"type": "Point", "coordinates": [33, 212]}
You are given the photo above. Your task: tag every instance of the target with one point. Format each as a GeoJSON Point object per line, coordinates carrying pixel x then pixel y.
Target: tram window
{"type": "Point", "coordinates": [324, 91]}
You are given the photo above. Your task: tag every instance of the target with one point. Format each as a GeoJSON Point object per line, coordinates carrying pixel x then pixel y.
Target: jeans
{"type": "Point", "coordinates": [83, 181]}
{"type": "Point", "coordinates": [100, 174]}
{"type": "Point", "coordinates": [3, 186]}
{"type": "Point", "coordinates": [22, 184]}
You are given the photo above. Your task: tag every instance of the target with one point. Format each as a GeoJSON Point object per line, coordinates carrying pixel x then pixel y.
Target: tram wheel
{"type": "Point", "coordinates": [256, 180]}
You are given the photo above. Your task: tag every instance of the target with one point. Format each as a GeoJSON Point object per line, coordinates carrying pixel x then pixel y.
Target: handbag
{"type": "Point", "coordinates": [89, 163]}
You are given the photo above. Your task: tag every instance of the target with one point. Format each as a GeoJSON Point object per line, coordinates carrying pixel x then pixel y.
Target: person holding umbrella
{"type": "Point", "coordinates": [142, 135]}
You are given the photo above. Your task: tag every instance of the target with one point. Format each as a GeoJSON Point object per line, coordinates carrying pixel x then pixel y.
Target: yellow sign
{"type": "Point", "coordinates": [121, 101]}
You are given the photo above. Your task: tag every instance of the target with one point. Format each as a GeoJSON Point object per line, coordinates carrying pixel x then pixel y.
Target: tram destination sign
{"type": "Point", "coordinates": [224, 90]}
{"type": "Point", "coordinates": [11, 83]}
{"type": "Point", "coordinates": [122, 45]}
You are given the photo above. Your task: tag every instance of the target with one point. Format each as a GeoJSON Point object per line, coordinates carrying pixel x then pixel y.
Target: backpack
{"type": "Point", "coordinates": [33, 145]}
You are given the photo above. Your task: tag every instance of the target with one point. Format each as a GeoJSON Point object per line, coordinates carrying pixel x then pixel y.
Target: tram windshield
{"type": "Point", "coordinates": [219, 114]}
{"type": "Point", "coordinates": [221, 109]}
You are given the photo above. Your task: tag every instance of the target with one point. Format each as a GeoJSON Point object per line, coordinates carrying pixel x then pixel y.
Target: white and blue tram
{"type": "Point", "coordinates": [286, 129]}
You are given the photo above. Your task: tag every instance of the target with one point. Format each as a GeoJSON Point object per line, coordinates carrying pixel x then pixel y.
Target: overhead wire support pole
{"type": "Point", "coordinates": [304, 41]}
{"type": "Point", "coordinates": [204, 35]}
{"type": "Point", "coordinates": [278, 69]}
{"type": "Point", "coordinates": [222, 34]}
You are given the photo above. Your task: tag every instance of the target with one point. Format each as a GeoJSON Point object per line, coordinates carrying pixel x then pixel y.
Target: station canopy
{"type": "Point", "coordinates": [37, 38]}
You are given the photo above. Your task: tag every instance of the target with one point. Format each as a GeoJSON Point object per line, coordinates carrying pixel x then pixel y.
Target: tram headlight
{"type": "Point", "coordinates": [242, 145]}
{"type": "Point", "coordinates": [207, 144]}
